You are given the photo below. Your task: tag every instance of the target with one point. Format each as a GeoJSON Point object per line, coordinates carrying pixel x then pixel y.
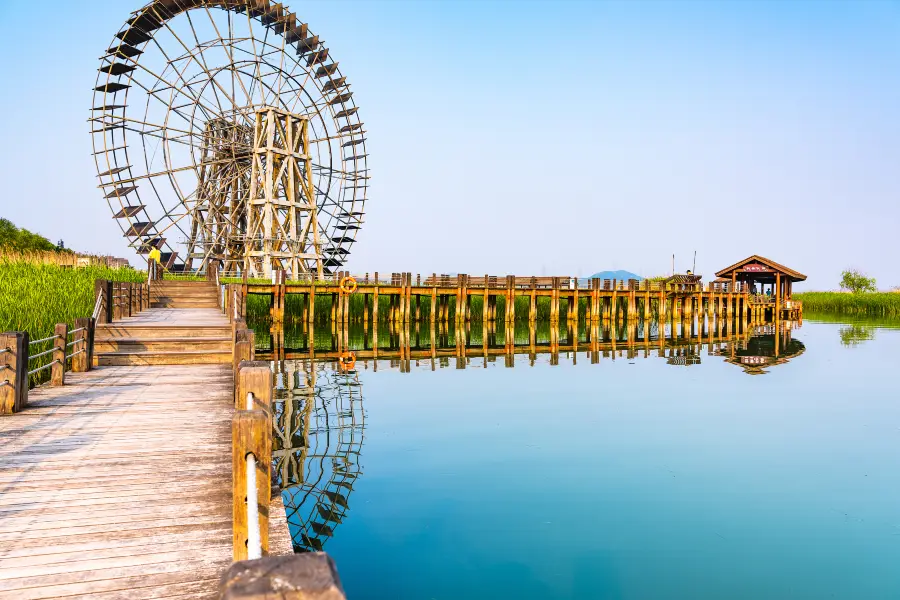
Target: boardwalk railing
{"type": "Point", "coordinates": [119, 299]}
{"type": "Point", "coordinates": [23, 362]}
{"type": "Point", "coordinates": [255, 573]}
{"type": "Point", "coordinates": [450, 298]}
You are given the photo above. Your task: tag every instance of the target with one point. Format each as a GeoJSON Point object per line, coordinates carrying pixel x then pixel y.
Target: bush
{"type": "Point", "coordinates": [857, 282]}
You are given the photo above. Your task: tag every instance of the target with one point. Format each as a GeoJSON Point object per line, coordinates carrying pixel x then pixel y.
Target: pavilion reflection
{"type": "Point", "coordinates": [681, 342]}
{"type": "Point", "coordinates": [767, 346]}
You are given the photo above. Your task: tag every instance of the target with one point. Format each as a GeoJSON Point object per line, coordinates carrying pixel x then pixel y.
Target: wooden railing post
{"type": "Point", "coordinates": [243, 351]}
{"type": "Point", "coordinates": [252, 435]}
{"type": "Point", "coordinates": [80, 352]}
{"type": "Point", "coordinates": [13, 371]}
{"type": "Point", "coordinates": [103, 288]}
{"type": "Point", "coordinates": [117, 300]}
{"type": "Point", "coordinates": [58, 369]}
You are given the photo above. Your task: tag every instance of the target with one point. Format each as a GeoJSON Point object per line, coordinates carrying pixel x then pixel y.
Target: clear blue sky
{"type": "Point", "coordinates": [545, 137]}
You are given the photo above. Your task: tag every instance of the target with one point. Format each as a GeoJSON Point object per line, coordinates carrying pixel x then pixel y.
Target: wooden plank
{"type": "Point", "coordinates": [118, 483]}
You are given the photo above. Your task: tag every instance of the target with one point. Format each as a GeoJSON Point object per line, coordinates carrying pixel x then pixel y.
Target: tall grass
{"type": "Point", "coordinates": [877, 304]}
{"type": "Point", "coordinates": [35, 296]}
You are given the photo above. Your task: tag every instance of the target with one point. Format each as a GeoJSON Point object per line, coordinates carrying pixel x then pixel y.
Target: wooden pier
{"type": "Point", "coordinates": [445, 298]}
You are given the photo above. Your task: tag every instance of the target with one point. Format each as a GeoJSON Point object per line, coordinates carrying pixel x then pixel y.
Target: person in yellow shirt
{"type": "Point", "coordinates": [153, 262]}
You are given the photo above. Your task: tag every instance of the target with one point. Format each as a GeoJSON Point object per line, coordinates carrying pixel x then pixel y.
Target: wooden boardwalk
{"type": "Point", "coordinates": [118, 485]}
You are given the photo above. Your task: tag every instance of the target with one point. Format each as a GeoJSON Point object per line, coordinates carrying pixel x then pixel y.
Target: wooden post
{"type": "Point", "coordinates": [241, 351]}
{"type": "Point", "coordinates": [311, 309]}
{"type": "Point", "coordinates": [103, 288]}
{"type": "Point", "coordinates": [251, 434]}
{"type": "Point", "coordinates": [13, 371]}
{"type": "Point", "coordinates": [532, 310]}
{"type": "Point", "coordinates": [632, 302]}
{"type": "Point", "coordinates": [647, 302]}
{"type": "Point", "coordinates": [777, 314]}
{"type": "Point", "coordinates": [365, 310]}
{"type": "Point", "coordinates": [485, 308]}
{"type": "Point", "coordinates": [117, 300]}
{"type": "Point", "coordinates": [58, 369]}
{"type": "Point", "coordinates": [512, 299]}
{"type": "Point", "coordinates": [375, 302]}
{"type": "Point", "coordinates": [346, 309]}
{"type": "Point", "coordinates": [614, 304]}
{"type": "Point", "coordinates": [333, 307]}
{"type": "Point", "coordinates": [80, 351]}
{"type": "Point", "coordinates": [573, 307]}
{"type": "Point", "coordinates": [433, 316]}
{"type": "Point", "coordinates": [409, 286]}
{"type": "Point", "coordinates": [402, 298]}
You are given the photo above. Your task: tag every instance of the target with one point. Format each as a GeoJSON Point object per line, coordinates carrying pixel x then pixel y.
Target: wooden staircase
{"type": "Point", "coordinates": [183, 325]}
{"type": "Point", "coordinates": [183, 294]}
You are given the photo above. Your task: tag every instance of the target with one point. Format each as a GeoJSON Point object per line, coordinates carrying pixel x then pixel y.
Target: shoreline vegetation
{"type": "Point", "coordinates": [872, 304]}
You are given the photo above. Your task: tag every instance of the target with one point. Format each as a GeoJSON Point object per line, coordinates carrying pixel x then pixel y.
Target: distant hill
{"type": "Point", "coordinates": [620, 275]}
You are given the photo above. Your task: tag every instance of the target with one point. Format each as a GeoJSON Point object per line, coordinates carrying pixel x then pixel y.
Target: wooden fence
{"type": "Point", "coordinates": [69, 349]}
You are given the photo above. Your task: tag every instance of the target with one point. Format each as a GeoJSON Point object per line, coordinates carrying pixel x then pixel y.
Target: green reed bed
{"type": "Point", "coordinates": [35, 297]}
{"type": "Point", "coordinates": [876, 304]}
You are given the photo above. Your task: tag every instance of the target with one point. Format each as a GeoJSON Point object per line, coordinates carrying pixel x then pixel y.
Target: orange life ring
{"type": "Point", "coordinates": [347, 361]}
{"type": "Point", "coordinates": [348, 285]}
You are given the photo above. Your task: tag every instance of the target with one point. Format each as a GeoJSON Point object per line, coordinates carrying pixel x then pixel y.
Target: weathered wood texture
{"type": "Point", "coordinates": [118, 484]}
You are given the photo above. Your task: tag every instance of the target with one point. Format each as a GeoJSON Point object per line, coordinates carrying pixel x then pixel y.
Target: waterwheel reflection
{"type": "Point", "coordinates": [319, 423]}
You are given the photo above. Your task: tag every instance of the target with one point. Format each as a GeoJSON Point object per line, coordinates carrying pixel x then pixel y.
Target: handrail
{"type": "Point", "coordinates": [49, 364]}
{"type": "Point", "coordinates": [46, 339]}
{"type": "Point", "coordinates": [44, 353]}
{"type": "Point", "coordinates": [98, 305]}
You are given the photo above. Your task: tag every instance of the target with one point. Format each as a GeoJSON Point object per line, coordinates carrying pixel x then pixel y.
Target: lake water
{"type": "Point", "coordinates": [691, 473]}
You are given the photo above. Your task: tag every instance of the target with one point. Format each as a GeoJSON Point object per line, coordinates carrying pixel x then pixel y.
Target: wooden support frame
{"type": "Point", "coordinates": [282, 223]}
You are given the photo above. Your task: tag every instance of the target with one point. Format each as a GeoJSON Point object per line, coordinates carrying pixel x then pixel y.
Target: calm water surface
{"type": "Point", "coordinates": [640, 478]}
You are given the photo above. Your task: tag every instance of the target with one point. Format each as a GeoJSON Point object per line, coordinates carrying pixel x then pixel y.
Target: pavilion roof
{"type": "Point", "coordinates": [795, 275]}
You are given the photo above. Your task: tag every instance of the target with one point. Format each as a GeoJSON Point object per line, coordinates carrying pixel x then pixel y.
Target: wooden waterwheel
{"type": "Point", "coordinates": [225, 131]}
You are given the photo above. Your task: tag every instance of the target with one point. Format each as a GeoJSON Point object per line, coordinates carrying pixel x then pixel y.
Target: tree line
{"type": "Point", "coordinates": [21, 240]}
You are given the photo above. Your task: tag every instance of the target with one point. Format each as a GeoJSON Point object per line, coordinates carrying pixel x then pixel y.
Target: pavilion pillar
{"type": "Point", "coordinates": [777, 296]}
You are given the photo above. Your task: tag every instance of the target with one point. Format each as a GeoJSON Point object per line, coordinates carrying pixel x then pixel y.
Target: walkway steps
{"type": "Point", "coordinates": [183, 294]}
{"type": "Point", "coordinates": [159, 336]}
{"type": "Point", "coordinates": [165, 357]}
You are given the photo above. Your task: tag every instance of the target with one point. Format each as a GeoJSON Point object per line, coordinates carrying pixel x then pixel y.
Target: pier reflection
{"type": "Point", "coordinates": [319, 418]}
{"type": "Point", "coordinates": [753, 346]}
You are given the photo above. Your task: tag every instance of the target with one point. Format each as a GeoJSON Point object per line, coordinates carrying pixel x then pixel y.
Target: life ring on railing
{"type": "Point", "coordinates": [348, 285]}
{"type": "Point", "coordinates": [347, 361]}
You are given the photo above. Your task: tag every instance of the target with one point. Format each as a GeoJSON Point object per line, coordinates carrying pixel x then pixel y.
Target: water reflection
{"type": "Point", "coordinates": [766, 346]}
{"type": "Point", "coordinates": [319, 423]}
{"type": "Point", "coordinates": [853, 335]}
{"type": "Point", "coordinates": [318, 408]}
{"type": "Point", "coordinates": [754, 347]}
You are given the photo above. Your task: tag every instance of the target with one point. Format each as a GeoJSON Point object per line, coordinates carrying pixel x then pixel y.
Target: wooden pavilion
{"type": "Point", "coordinates": [770, 284]}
